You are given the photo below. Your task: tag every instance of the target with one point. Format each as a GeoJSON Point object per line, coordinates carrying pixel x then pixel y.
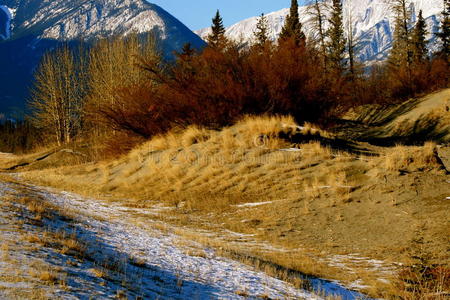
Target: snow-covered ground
{"type": "Point", "coordinates": [167, 268]}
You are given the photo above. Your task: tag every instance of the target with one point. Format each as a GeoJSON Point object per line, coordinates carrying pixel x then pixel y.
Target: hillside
{"type": "Point", "coordinates": [60, 245]}
{"type": "Point", "coordinates": [345, 205]}
{"type": "Point", "coordinates": [60, 20]}
{"type": "Point", "coordinates": [372, 20]}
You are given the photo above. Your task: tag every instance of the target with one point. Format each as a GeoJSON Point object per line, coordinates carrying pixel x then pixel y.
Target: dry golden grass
{"type": "Point", "coordinates": [48, 276]}
{"type": "Point", "coordinates": [72, 245]}
{"type": "Point", "coordinates": [194, 135]}
{"type": "Point", "coordinates": [37, 274]}
{"type": "Point", "coordinates": [100, 273]}
{"type": "Point", "coordinates": [316, 150]}
{"type": "Point", "coordinates": [231, 153]}
{"type": "Point", "coordinates": [310, 129]}
{"type": "Point", "coordinates": [421, 282]}
{"type": "Point", "coordinates": [44, 274]}
{"type": "Point", "coordinates": [39, 242]}
{"type": "Point", "coordinates": [66, 242]}
{"type": "Point", "coordinates": [36, 207]}
{"type": "Point", "coordinates": [281, 265]}
{"type": "Point", "coordinates": [33, 238]}
{"type": "Point", "coordinates": [325, 198]}
{"type": "Point", "coordinates": [5, 251]}
{"type": "Point", "coordinates": [11, 160]}
{"type": "Point", "coordinates": [411, 158]}
{"type": "Point", "coordinates": [194, 159]}
{"type": "Point", "coordinates": [4, 247]}
{"type": "Point", "coordinates": [196, 252]}
{"type": "Point", "coordinates": [267, 125]}
{"type": "Point", "coordinates": [242, 293]}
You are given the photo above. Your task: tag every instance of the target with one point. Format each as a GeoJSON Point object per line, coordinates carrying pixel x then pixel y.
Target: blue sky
{"type": "Point", "coordinates": [197, 14]}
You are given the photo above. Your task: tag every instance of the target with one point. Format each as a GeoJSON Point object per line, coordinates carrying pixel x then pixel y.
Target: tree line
{"type": "Point", "coordinates": [121, 91]}
{"type": "Point", "coordinates": [18, 136]}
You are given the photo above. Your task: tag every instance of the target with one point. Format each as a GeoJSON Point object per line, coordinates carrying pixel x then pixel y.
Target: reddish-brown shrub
{"type": "Point", "coordinates": [216, 87]}
{"type": "Point", "coordinates": [139, 111]}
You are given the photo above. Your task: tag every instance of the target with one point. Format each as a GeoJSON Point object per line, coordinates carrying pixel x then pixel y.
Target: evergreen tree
{"type": "Point", "coordinates": [444, 33]}
{"type": "Point", "coordinates": [337, 43]}
{"type": "Point", "coordinates": [401, 57]}
{"type": "Point", "coordinates": [318, 21]}
{"type": "Point", "coordinates": [217, 37]}
{"type": "Point", "coordinates": [401, 54]}
{"type": "Point", "coordinates": [351, 44]}
{"type": "Point", "coordinates": [419, 42]}
{"type": "Point", "coordinates": [292, 27]}
{"type": "Point", "coordinates": [187, 50]}
{"type": "Point", "coordinates": [261, 32]}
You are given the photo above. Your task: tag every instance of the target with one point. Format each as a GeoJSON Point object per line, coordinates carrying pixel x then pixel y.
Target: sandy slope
{"type": "Point", "coordinates": [341, 208]}
{"type": "Point", "coordinates": [411, 122]}
{"type": "Point", "coordinates": [165, 270]}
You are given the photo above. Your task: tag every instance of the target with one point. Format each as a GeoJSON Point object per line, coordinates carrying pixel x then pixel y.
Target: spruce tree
{"type": "Point", "coordinates": [187, 52]}
{"type": "Point", "coordinates": [401, 57]}
{"type": "Point", "coordinates": [351, 45]}
{"type": "Point", "coordinates": [444, 33]}
{"type": "Point", "coordinates": [292, 28]}
{"type": "Point", "coordinates": [401, 53]}
{"type": "Point", "coordinates": [261, 32]}
{"type": "Point", "coordinates": [337, 43]}
{"type": "Point", "coordinates": [418, 41]}
{"type": "Point", "coordinates": [217, 37]}
{"type": "Point", "coordinates": [318, 20]}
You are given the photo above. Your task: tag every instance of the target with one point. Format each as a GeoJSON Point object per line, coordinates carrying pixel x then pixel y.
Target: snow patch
{"type": "Point", "coordinates": [252, 204]}
{"type": "Point", "coordinates": [208, 277]}
{"type": "Point", "coordinates": [291, 150]}
{"type": "Point", "coordinates": [205, 277]}
{"type": "Point", "coordinates": [357, 284]}
{"type": "Point", "coordinates": [10, 13]}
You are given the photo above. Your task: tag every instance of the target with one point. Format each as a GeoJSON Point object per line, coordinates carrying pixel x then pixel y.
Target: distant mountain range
{"type": "Point", "coordinates": [373, 23]}
{"type": "Point", "coordinates": [29, 28]}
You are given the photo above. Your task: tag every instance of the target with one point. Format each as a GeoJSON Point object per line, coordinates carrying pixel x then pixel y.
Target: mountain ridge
{"type": "Point", "coordinates": [29, 28]}
{"type": "Point", "coordinates": [373, 24]}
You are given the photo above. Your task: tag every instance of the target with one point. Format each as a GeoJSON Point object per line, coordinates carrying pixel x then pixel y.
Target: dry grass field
{"type": "Point", "coordinates": [272, 193]}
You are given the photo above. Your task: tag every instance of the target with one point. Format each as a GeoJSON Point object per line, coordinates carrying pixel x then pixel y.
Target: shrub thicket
{"type": "Point", "coordinates": [131, 93]}
{"type": "Point", "coordinates": [18, 136]}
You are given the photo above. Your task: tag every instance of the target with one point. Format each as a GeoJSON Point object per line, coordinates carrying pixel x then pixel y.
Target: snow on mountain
{"type": "Point", "coordinates": [6, 15]}
{"type": "Point", "coordinates": [29, 28]}
{"type": "Point", "coordinates": [373, 23]}
{"type": "Point", "coordinates": [70, 20]}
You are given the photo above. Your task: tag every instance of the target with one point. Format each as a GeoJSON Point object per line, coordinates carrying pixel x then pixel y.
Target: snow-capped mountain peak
{"type": "Point", "coordinates": [75, 19]}
{"type": "Point", "coordinates": [29, 28]}
{"type": "Point", "coordinates": [372, 21]}
{"type": "Point", "coordinates": [6, 16]}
